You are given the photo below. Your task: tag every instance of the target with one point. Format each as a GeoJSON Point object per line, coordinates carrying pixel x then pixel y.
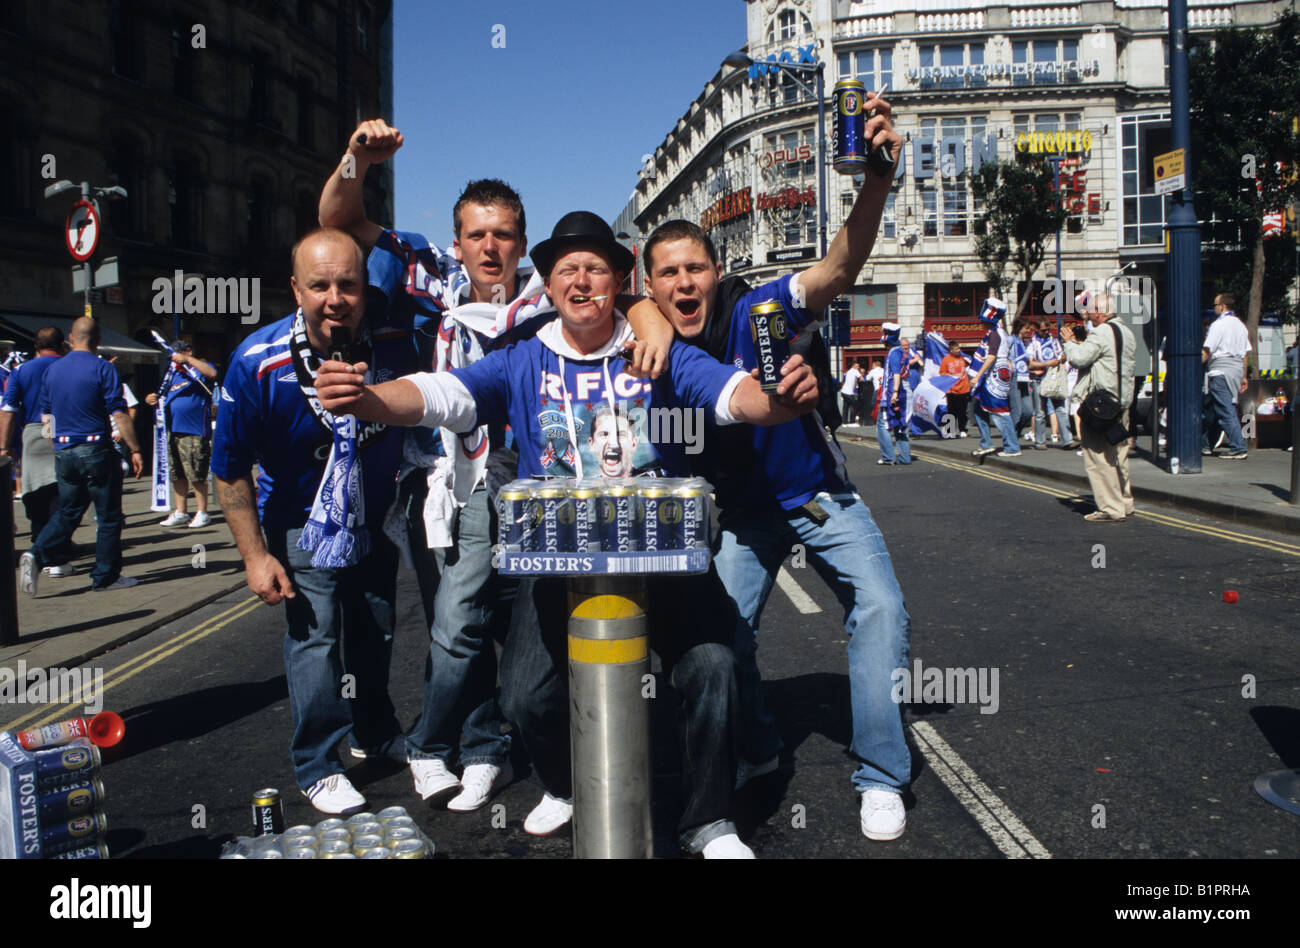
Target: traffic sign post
{"type": "Point", "coordinates": [82, 229]}
{"type": "Point", "coordinates": [1170, 176]}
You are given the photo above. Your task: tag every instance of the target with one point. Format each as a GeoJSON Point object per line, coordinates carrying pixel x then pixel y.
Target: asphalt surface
{"type": "Point", "coordinates": [1126, 725]}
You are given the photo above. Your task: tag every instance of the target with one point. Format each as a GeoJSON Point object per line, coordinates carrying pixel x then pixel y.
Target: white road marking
{"type": "Point", "coordinates": [994, 817]}
{"type": "Point", "coordinates": [802, 601]}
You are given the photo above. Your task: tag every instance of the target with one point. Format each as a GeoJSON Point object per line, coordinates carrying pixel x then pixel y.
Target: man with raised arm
{"type": "Point", "coordinates": [460, 304]}
{"type": "Point", "coordinates": [787, 484]}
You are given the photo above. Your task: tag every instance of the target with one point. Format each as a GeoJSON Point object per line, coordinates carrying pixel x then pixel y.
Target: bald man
{"type": "Point", "coordinates": [81, 399]}
{"type": "Point", "coordinates": [323, 486]}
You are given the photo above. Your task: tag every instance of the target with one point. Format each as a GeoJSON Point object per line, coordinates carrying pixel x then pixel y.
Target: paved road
{"type": "Point", "coordinates": [1119, 687]}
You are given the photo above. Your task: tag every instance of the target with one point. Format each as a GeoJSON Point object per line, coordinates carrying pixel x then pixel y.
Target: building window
{"type": "Point", "coordinates": [929, 211]}
{"type": "Point", "coordinates": [125, 168]}
{"type": "Point", "coordinates": [889, 219]}
{"type": "Point", "coordinates": [874, 67]}
{"type": "Point", "coordinates": [364, 17]}
{"type": "Point", "coordinates": [1045, 61]}
{"type": "Point", "coordinates": [124, 37]}
{"type": "Point", "coordinates": [259, 86]}
{"type": "Point", "coordinates": [184, 63]}
{"type": "Point", "coordinates": [184, 200]}
{"type": "Point", "coordinates": [306, 99]}
{"type": "Point", "coordinates": [788, 27]}
{"type": "Point", "coordinates": [1142, 211]}
{"type": "Point", "coordinates": [951, 66]}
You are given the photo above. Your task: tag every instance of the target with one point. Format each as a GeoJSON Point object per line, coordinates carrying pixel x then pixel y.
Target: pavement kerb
{"type": "Point", "coordinates": [1253, 515]}
{"type": "Point", "coordinates": [182, 609]}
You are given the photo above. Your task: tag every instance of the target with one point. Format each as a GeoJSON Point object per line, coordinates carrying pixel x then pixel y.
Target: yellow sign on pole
{"type": "Point", "coordinates": [86, 310]}
{"type": "Point", "coordinates": [1169, 174]}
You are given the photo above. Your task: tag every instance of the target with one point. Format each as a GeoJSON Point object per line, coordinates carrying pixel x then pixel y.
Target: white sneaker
{"type": "Point", "coordinates": [174, 519]}
{"type": "Point", "coordinates": [433, 782]}
{"type": "Point", "coordinates": [122, 582]}
{"type": "Point", "coordinates": [548, 816]}
{"type": "Point", "coordinates": [28, 574]}
{"type": "Point", "coordinates": [962, 434]}
{"type": "Point", "coordinates": [727, 847]}
{"type": "Point", "coordinates": [335, 795]}
{"type": "Point", "coordinates": [477, 783]}
{"type": "Point", "coordinates": [745, 771]}
{"type": "Point", "coordinates": [883, 815]}
{"type": "Point", "coordinates": [58, 572]}
{"type": "Point", "coordinates": [201, 519]}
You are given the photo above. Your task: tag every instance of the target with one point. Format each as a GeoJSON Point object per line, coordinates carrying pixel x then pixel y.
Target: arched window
{"type": "Point", "coordinates": [127, 217]}
{"type": "Point", "coordinates": [788, 26]}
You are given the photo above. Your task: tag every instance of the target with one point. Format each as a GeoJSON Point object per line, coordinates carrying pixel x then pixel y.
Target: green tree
{"type": "Point", "coordinates": [1021, 213]}
{"type": "Point", "coordinates": [1245, 96]}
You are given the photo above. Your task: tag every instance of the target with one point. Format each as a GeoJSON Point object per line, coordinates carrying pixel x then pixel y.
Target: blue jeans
{"type": "Point", "coordinates": [462, 596]}
{"type": "Point", "coordinates": [86, 473]}
{"type": "Point", "coordinates": [1220, 412]}
{"type": "Point", "coordinates": [1005, 428]}
{"type": "Point", "coordinates": [886, 440]}
{"type": "Point", "coordinates": [340, 624]}
{"type": "Point", "coordinates": [690, 623]}
{"type": "Point", "coordinates": [849, 554]}
{"type": "Point", "coordinates": [1041, 407]}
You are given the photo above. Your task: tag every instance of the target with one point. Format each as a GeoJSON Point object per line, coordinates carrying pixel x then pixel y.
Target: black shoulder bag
{"type": "Point", "coordinates": [1102, 411]}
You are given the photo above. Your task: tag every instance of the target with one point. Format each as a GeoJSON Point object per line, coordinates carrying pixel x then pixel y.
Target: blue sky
{"type": "Point", "coordinates": [582, 89]}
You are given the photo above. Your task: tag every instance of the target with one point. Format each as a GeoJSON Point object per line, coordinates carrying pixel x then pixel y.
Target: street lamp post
{"type": "Point", "coordinates": [1056, 186]}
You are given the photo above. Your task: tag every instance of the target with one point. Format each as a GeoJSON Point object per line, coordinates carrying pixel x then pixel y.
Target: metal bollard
{"type": "Point", "coordinates": [8, 559]}
{"type": "Point", "coordinates": [609, 720]}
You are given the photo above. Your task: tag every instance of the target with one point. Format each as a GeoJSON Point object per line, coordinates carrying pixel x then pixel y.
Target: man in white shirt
{"type": "Point", "coordinates": [1224, 354]}
{"type": "Point", "coordinates": [849, 395]}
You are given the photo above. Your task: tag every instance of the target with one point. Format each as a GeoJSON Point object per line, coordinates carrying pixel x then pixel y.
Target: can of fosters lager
{"type": "Point", "coordinates": [520, 514]}
{"type": "Point", "coordinates": [556, 535]}
{"type": "Point", "coordinates": [693, 495]}
{"type": "Point", "coordinates": [76, 833]}
{"type": "Point", "coordinates": [268, 813]}
{"type": "Point", "coordinates": [662, 512]}
{"type": "Point", "coordinates": [850, 126]}
{"type": "Point", "coordinates": [585, 497]}
{"type": "Point", "coordinates": [771, 341]}
{"type": "Point", "coordinates": [75, 763]}
{"type": "Point", "coordinates": [71, 801]}
{"type": "Point", "coordinates": [617, 518]}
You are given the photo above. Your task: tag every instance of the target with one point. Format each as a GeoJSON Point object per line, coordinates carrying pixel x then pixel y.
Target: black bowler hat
{"type": "Point", "coordinates": [580, 227]}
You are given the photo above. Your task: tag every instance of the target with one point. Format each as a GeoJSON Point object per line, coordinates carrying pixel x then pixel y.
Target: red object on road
{"type": "Point", "coordinates": [1230, 596]}
{"type": "Point", "coordinates": [104, 730]}
{"type": "Point", "coordinates": [1102, 770]}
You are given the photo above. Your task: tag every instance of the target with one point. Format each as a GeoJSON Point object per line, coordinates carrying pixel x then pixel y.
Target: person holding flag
{"type": "Point", "coordinates": [992, 383]}
{"type": "Point", "coordinates": [930, 395]}
{"type": "Point", "coordinates": [182, 434]}
{"type": "Point", "coordinates": [892, 418]}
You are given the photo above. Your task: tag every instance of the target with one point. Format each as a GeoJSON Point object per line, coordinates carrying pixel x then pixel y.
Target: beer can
{"type": "Point", "coordinates": [269, 854]}
{"type": "Point", "coordinates": [617, 517]}
{"type": "Point", "coordinates": [52, 735]}
{"type": "Point", "coordinates": [369, 828]}
{"type": "Point", "coordinates": [379, 852]}
{"type": "Point", "coordinates": [356, 818]}
{"type": "Point", "coordinates": [661, 512]}
{"type": "Point", "coordinates": [268, 812]}
{"type": "Point", "coordinates": [519, 513]}
{"type": "Point", "coordinates": [75, 763]}
{"type": "Point", "coordinates": [67, 802]}
{"type": "Point", "coordinates": [395, 821]}
{"type": "Point", "coordinates": [771, 341]}
{"type": "Point", "coordinates": [302, 829]}
{"type": "Point", "coordinates": [76, 833]}
{"type": "Point", "coordinates": [693, 495]}
{"type": "Point", "coordinates": [557, 519]}
{"type": "Point", "coordinates": [337, 834]}
{"type": "Point", "coordinates": [301, 852]}
{"type": "Point", "coordinates": [332, 849]}
{"type": "Point", "coordinates": [299, 842]}
{"type": "Point", "coordinates": [396, 834]}
{"type": "Point", "coordinates": [850, 156]}
{"type": "Point", "coordinates": [586, 516]}
{"type": "Point", "coordinates": [332, 823]}
{"type": "Point", "coordinates": [97, 851]}
{"type": "Point", "coordinates": [390, 812]}
{"type": "Point", "coordinates": [411, 849]}
{"type": "Point", "coordinates": [363, 844]}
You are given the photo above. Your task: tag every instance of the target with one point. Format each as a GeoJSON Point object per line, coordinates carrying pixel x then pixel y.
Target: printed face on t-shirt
{"type": "Point", "coordinates": [612, 444]}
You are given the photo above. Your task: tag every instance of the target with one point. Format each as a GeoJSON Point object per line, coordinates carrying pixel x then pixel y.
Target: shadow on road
{"type": "Point", "coordinates": [193, 714]}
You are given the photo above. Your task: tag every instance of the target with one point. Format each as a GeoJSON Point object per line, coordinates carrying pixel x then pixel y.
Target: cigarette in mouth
{"type": "Point", "coordinates": [589, 299]}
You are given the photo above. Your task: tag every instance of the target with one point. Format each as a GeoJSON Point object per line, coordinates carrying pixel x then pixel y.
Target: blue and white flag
{"type": "Point", "coordinates": [936, 350]}
{"type": "Point", "coordinates": [930, 404]}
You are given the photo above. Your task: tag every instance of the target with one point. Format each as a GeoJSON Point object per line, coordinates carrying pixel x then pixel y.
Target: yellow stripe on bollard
{"type": "Point", "coordinates": [605, 607]}
{"type": "Point", "coordinates": [608, 651]}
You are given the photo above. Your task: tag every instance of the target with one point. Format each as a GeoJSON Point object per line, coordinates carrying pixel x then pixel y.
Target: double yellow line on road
{"type": "Point", "coordinates": [1235, 536]}
{"type": "Point", "coordinates": [127, 670]}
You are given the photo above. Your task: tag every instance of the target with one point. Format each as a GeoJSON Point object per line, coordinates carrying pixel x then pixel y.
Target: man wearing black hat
{"type": "Point", "coordinates": [187, 404]}
{"type": "Point", "coordinates": [550, 388]}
